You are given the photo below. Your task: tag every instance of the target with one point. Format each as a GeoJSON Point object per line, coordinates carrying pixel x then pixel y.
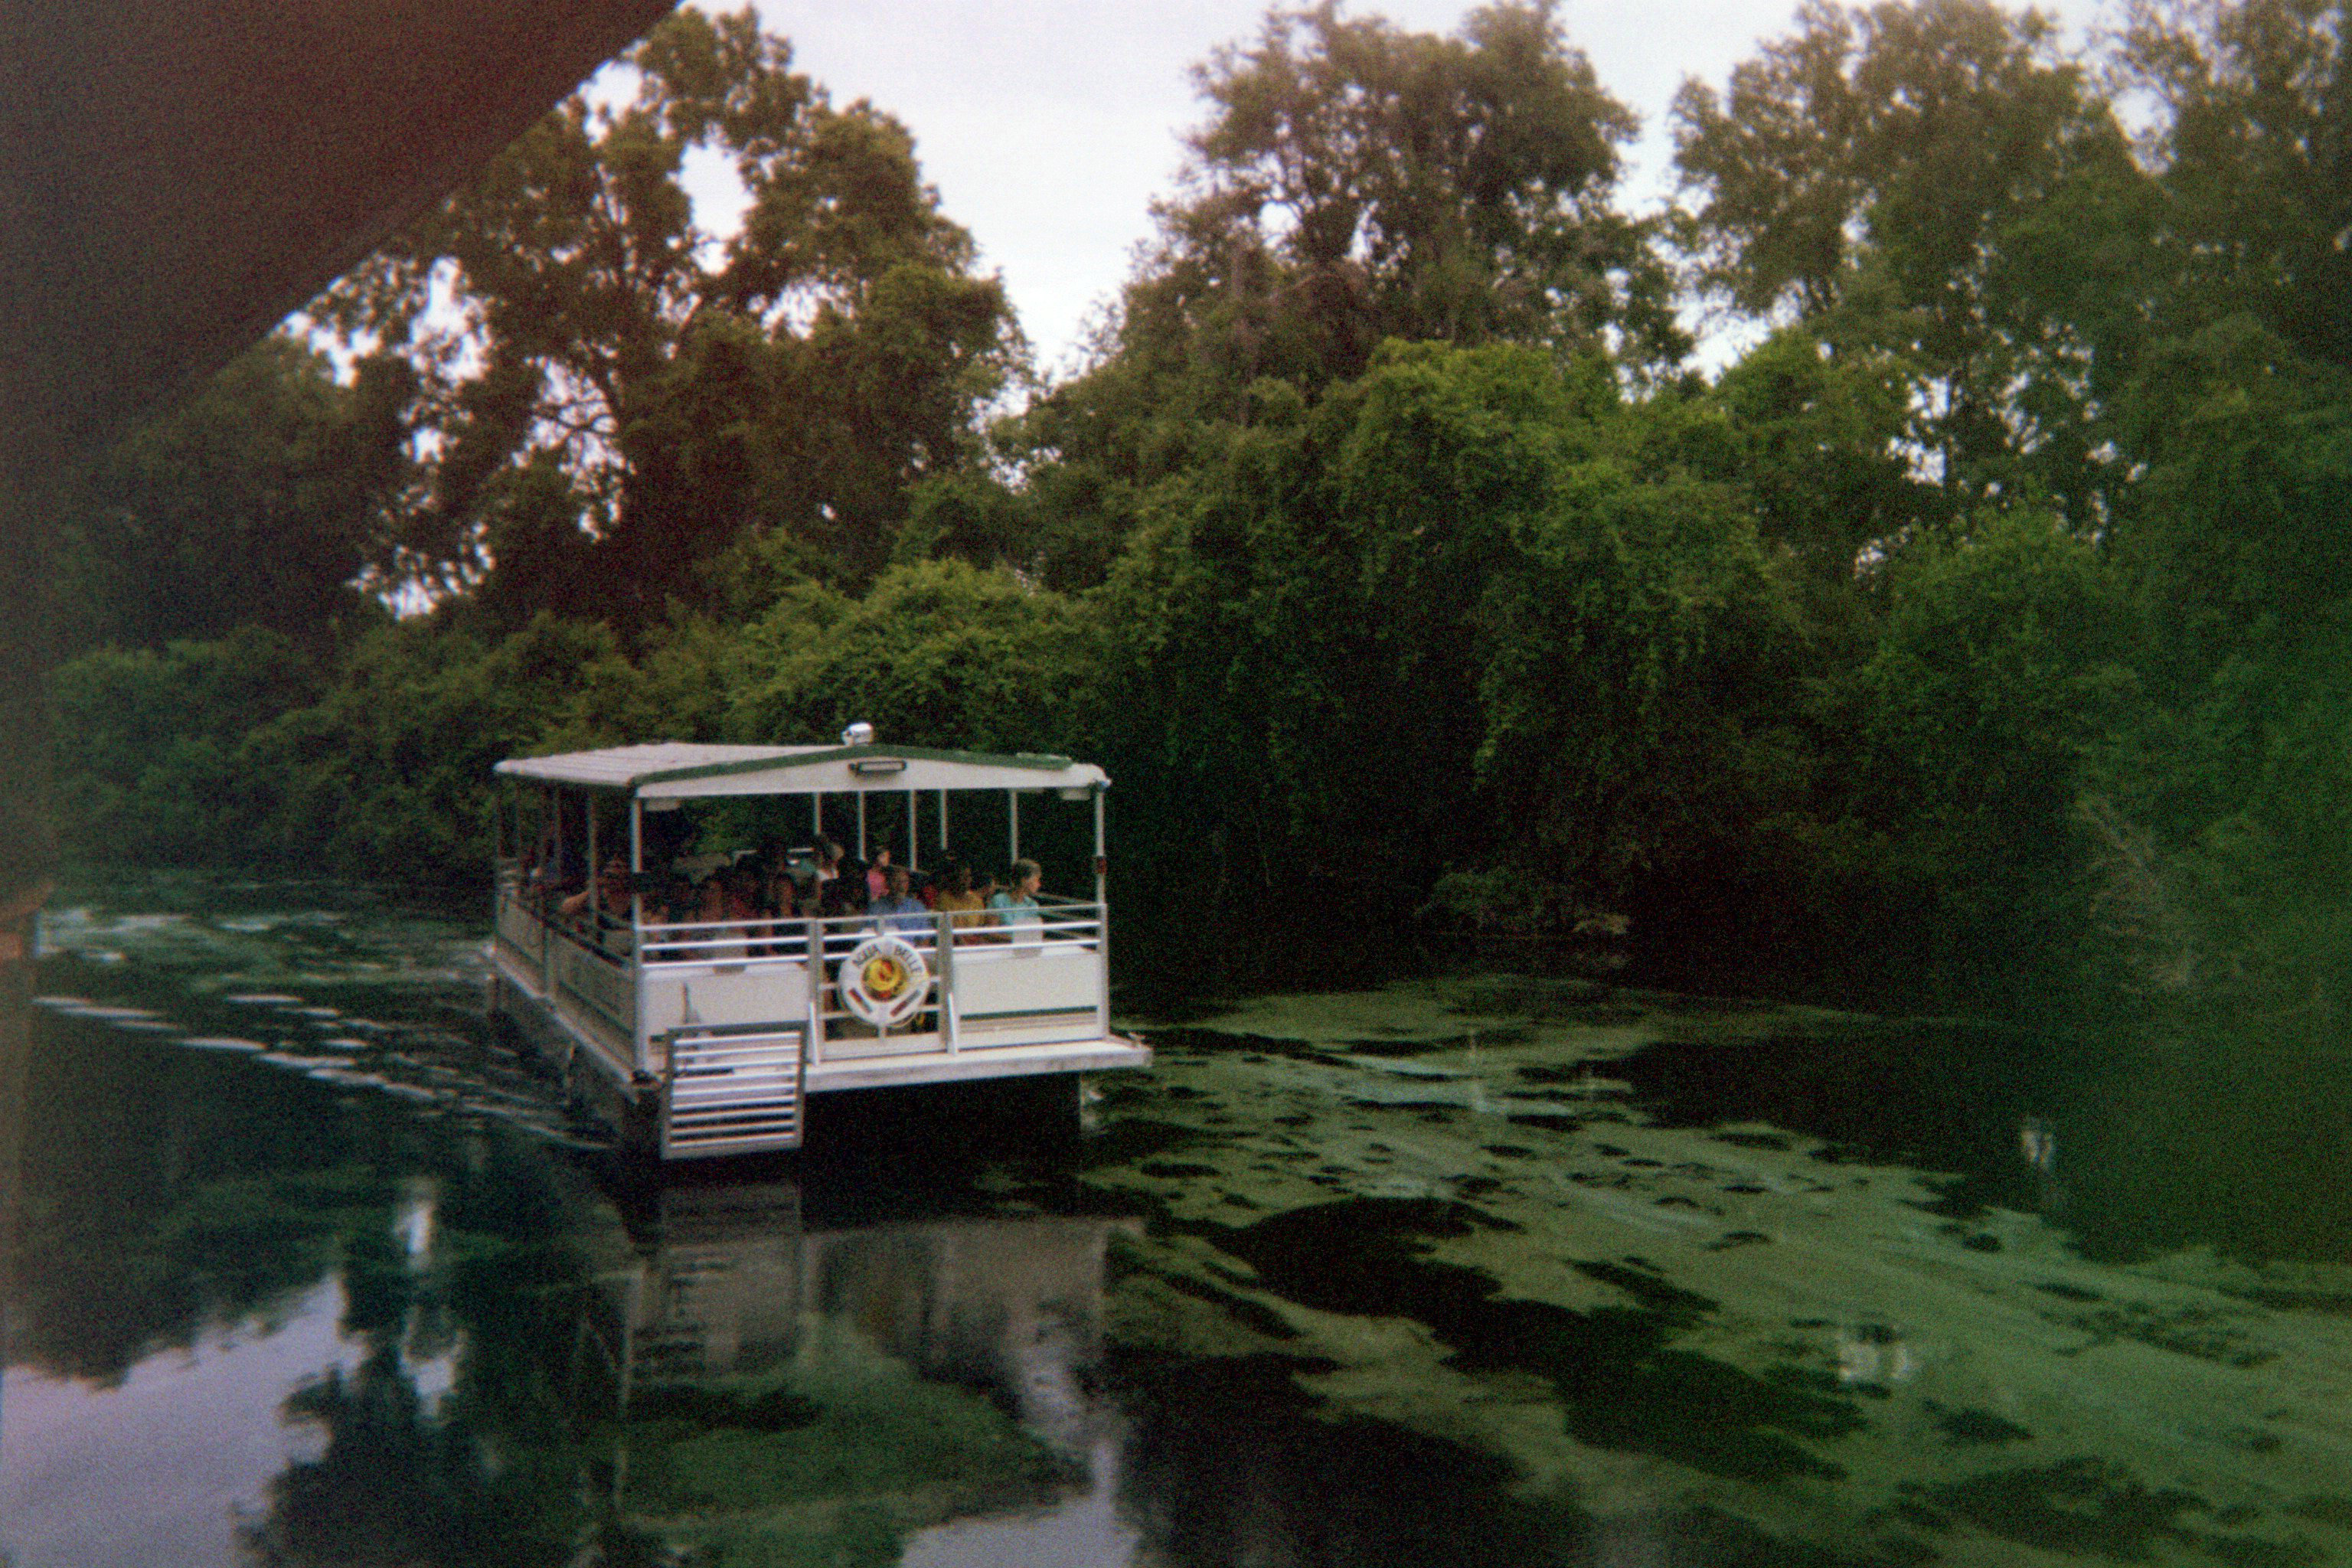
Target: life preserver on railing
{"type": "Point", "coordinates": [883, 981]}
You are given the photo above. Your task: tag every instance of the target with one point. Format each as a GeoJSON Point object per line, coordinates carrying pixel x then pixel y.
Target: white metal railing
{"type": "Point", "coordinates": [961, 958]}
{"type": "Point", "coordinates": [747, 941]}
{"type": "Point", "coordinates": [722, 941]}
{"type": "Point", "coordinates": [589, 967]}
{"type": "Point", "coordinates": [521, 929]}
{"type": "Point", "coordinates": [1033, 975]}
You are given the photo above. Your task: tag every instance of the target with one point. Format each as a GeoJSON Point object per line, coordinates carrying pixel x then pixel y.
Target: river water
{"type": "Point", "coordinates": [1470, 1269]}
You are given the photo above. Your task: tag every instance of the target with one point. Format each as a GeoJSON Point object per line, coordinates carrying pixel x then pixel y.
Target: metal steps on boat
{"type": "Point", "coordinates": [734, 1094]}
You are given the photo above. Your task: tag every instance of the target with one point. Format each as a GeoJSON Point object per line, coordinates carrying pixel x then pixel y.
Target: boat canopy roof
{"type": "Point", "coordinates": [684, 770]}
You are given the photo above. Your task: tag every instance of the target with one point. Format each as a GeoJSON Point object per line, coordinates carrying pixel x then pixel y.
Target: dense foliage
{"type": "Point", "coordinates": [616, 394]}
{"type": "Point", "coordinates": [1989, 621]}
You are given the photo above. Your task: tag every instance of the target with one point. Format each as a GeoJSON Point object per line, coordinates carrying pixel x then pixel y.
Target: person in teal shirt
{"type": "Point", "coordinates": [1018, 905]}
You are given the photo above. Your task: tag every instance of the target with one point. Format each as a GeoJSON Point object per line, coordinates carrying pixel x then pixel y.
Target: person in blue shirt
{"type": "Point", "coordinates": [898, 911]}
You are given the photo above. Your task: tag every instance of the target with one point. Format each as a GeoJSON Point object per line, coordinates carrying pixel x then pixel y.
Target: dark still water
{"type": "Point", "coordinates": [1466, 1271]}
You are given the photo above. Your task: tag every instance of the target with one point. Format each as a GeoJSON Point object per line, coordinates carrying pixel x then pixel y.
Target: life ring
{"type": "Point", "coordinates": [883, 981]}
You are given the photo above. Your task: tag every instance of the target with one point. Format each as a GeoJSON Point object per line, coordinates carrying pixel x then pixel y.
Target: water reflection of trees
{"type": "Point", "coordinates": [727, 1381]}
{"type": "Point", "coordinates": [794, 1393]}
{"type": "Point", "coordinates": [2228, 1133]}
{"type": "Point", "coordinates": [529, 1381]}
{"type": "Point", "coordinates": [154, 1206]}
{"type": "Point", "coordinates": [2139, 1135]}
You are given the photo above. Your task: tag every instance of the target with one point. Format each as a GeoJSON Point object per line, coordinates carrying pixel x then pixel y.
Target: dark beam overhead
{"type": "Point", "coordinates": [177, 176]}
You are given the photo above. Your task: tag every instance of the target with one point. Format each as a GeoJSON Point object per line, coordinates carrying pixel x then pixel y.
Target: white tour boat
{"type": "Point", "coordinates": [710, 1035]}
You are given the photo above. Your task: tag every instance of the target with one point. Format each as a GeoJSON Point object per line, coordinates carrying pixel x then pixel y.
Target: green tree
{"type": "Point", "coordinates": [248, 749]}
{"type": "Point", "coordinates": [617, 394]}
{"type": "Point", "coordinates": [148, 744]}
{"type": "Point", "coordinates": [2237, 530]}
{"type": "Point", "coordinates": [1392, 184]}
{"type": "Point", "coordinates": [2006, 665]}
{"type": "Point", "coordinates": [938, 652]}
{"type": "Point", "coordinates": [1938, 182]}
{"type": "Point", "coordinates": [1814, 438]}
{"type": "Point", "coordinates": [1448, 617]}
{"type": "Point", "coordinates": [2239, 778]}
{"type": "Point", "coordinates": [2253, 147]}
{"type": "Point", "coordinates": [390, 770]}
{"type": "Point", "coordinates": [1354, 184]}
{"type": "Point", "coordinates": [261, 501]}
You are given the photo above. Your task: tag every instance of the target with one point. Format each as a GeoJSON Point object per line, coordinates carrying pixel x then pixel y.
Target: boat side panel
{"type": "Point", "coordinates": [1029, 992]}
{"type": "Point", "coordinates": [767, 992]}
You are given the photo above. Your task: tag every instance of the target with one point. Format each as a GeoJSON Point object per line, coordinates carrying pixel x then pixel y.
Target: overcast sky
{"type": "Point", "coordinates": [1049, 125]}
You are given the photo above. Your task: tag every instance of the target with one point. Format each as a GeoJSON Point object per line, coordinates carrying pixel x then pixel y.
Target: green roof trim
{"type": "Point", "coordinates": [1037, 761]}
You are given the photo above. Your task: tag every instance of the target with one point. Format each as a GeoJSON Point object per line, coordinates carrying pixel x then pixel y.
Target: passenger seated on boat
{"type": "Point", "coordinates": [747, 903]}
{"type": "Point", "coordinates": [671, 901]}
{"type": "Point", "coordinates": [877, 876]}
{"type": "Point", "coordinates": [898, 911]}
{"type": "Point", "coordinates": [609, 895]}
{"type": "Point", "coordinates": [780, 909]}
{"type": "Point", "coordinates": [719, 911]}
{"type": "Point", "coordinates": [962, 904]}
{"type": "Point", "coordinates": [546, 873]}
{"type": "Point", "coordinates": [840, 889]}
{"type": "Point", "coordinates": [1017, 906]}
{"type": "Point", "coordinates": [778, 899]}
{"type": "Point", "coordinates": [846, 894]}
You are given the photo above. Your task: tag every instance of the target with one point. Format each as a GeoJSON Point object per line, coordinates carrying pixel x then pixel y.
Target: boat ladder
{"type": "Point", "coordinates": [733, 1094]}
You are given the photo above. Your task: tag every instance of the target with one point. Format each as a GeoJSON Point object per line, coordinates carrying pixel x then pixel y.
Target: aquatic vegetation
{"type": "Point", "coordinates": [1721, 1240]}
{"type": "Point", "coordinates": [835, 1460]}
{"type": "Point", "coordinates": [1395, 1274]}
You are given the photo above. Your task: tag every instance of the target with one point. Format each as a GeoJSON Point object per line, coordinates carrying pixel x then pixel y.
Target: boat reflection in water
{"type": "Point", "coordinates": [935, 1368]}
{"type": "Point", "coordinates": [255, 1315]}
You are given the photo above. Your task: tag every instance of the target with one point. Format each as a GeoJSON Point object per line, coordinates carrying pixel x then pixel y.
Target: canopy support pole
{"type": "Point", "coordinates": [1013, 815]}
{"type": "Point", "coordinates": [636, 860]}
{"type": "Point", "coordinates": [550, 898]}
{"type": "Point", "coordinates": [914, 836]}
{"type": "Point", "coordinates": [943, 821]}
{"type": "Point", "coordinates": [1102, 921]}
{"type": "Point", "coordinates": [638, 935]}
{"type": "Point", "coordinates": [861, 824]}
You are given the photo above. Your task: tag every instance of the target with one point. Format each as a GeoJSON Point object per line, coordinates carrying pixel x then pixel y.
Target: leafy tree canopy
{"type": "Point", "coordinates": [257, 502]}
{"type": "Point", "coordinates": [1898, 179]}
{"type": "Point", "coordinates": [938, 652]}
{"type": "Point", "coordinates": [2254, 149]}
{"type": "Point", "coordinates": [614, 393]}
{"type": "Point", "coordinates": [1406, 185]}
{"type": "Point", "coordinates": [1356, 184]}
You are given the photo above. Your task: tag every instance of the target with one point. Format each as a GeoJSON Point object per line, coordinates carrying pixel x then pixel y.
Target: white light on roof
{"type": "Point", "coordinates": [858, 734]}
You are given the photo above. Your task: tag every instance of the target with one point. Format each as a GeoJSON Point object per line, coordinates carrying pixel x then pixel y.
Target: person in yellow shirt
{"type": "Point", "coordinates": [959, 899]}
